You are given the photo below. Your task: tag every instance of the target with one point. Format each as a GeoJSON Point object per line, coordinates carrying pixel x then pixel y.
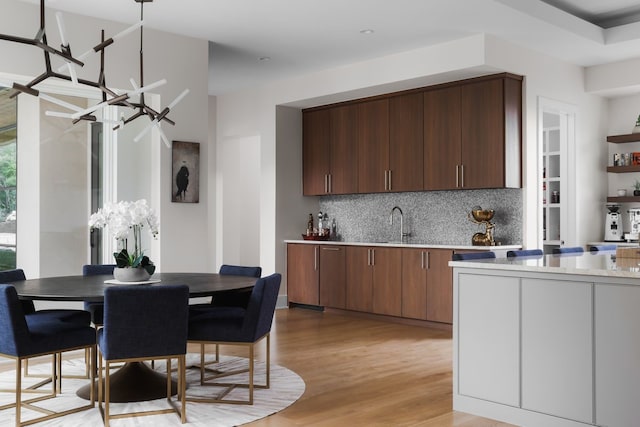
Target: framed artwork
{"type": "Point", "coordinates": [185, 157]}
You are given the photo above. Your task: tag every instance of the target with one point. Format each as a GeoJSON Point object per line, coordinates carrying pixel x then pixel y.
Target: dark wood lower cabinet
{"type": "Point", "coordinates": [302, 273]}
{"type": "Point", "coordinates": [401, 282]}
{"type": "Point", "coordinates": [332, 276]}
{"type": "Point", "coordinates": [439, 286]}
{"type": "Point", "coordinates": [427, 285]}
{"type": "Point", "coordinates": [374, 279]}
{"type": "Point", "coordinates": [359, 279]}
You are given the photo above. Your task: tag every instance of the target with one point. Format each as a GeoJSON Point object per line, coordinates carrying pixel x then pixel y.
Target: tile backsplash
{"type": "Point", "coordinates": [438, 217]}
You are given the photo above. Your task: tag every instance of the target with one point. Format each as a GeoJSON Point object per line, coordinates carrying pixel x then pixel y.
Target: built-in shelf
{"type": "Point", "coordinates": [620, 139]}
{"type": "Point", "coordinates": [623, 169]}
{"type": "Point", "coordinates": [626, 199]}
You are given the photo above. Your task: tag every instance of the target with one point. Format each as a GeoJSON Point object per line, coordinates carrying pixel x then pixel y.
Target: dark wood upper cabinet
{"type": "Point", "coordinates": [343, 178]}
{"type": "Point", "coordinates": [406, 146]}
{"type": "Point", "coordinates": [315, 151]}
{"type": "Point", "coordinates": [373, 146]}
{"type": "Point", "coordinates": [491, 133]}
{"type": "Point", "coordinates": [329, 151]}
{"type": "Point", "coordinates": [442, 144]}
{"type": "Point", "coordinates": [482, 134]}
{"type": "Point", "coordinates": [459, 135]}
{"type": "Point", "coordinates": [473, 136]}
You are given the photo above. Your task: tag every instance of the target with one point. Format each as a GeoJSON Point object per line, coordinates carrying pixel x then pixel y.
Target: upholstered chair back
{"type": "Point", "coordinates": [144, 321]}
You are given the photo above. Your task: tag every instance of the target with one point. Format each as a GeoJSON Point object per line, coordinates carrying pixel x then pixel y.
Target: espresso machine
{"type": "Point", "coordinates": [613, 224]}
{"type": "Point", "coordinates": [634, 225]}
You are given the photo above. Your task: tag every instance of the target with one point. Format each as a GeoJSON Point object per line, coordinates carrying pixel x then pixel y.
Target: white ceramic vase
{"type": "Point", "coordinates": [129, 274]}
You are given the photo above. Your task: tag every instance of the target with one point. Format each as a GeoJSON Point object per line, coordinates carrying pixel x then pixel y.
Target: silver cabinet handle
{"type": "Point", "coordinates": [462, 173]}
{"type": "Point", "coordinates": [428, 260]}
{"type": "Point", "coordinates": [422, 260]}
{"type": "Point", "coordinates": [457, 176]}
{"type": "Point", "coordinates": [373, 257]}
{"type": "Point", "coordinates": [368, 256]}
{"type": "Point", "coordinates": [390, 187]}
{"type": "Point", "coordinates": [326, 183]}
{"type": "Point", "coordinates": [330, 186]}
{"type": "Point", "coordinates": [330, 249]}
{"type": "Point", "coordinates": [315, 258]}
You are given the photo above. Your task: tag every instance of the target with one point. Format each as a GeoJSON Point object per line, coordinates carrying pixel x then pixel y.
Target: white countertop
{"type": "Point", "coordinates": [409, 245]}
{"type": "Point", "coordinates": [588, 263]}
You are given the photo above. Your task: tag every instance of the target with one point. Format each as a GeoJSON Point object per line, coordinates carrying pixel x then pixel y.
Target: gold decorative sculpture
{"type": "Point", "coordinates": [482, 217]}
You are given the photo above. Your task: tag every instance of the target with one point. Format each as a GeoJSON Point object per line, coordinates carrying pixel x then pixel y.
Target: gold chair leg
{"type": "Point", "coordinates": [18, 391]}
{"type": "Point", "coordinates": [251, 359]}
{"type": "Point", "coordinates": [268, 382]}
{"type": "Point", "coordinates": [56, 361]}
{"type": "Point", "coordinates": [182, 387]}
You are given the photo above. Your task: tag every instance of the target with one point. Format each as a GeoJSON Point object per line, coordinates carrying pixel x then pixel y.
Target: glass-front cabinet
{"type": "Point", "coordinates": [551, 182]}
{"type": "Point", "coordinates": [557, 174]}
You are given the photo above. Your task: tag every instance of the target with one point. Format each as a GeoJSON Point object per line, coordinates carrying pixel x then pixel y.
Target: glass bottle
{"type": "Point", "coordinates": [310, 225]}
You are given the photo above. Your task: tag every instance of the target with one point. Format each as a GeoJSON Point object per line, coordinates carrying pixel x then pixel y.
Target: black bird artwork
{"type": "Point", "coordinates": [182, 182]}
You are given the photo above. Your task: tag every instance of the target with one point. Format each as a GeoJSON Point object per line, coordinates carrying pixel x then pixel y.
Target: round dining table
{"type": "Point", "coordinates": [135, 381]}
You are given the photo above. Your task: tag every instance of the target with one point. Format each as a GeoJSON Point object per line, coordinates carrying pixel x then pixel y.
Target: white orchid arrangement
{"type": "Point", "coordinates": [121, 218]}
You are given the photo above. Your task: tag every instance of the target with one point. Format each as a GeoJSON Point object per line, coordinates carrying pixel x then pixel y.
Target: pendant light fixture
{"type": "Point", "coordinates": [109, 96]}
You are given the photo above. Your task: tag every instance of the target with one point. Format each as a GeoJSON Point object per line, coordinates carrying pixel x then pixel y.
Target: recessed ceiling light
{"type": "Point", "coordinates": [265, 58]}
{"type": "Point", "coordinates": [367, 31]}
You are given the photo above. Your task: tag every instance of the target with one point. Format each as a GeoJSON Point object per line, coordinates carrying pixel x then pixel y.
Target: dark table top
{"type": "Point", "coordinates": [91, 288]}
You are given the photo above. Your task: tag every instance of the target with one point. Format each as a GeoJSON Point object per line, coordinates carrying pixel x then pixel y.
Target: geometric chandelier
{"type": "Point", "coordinates": [109, 96]}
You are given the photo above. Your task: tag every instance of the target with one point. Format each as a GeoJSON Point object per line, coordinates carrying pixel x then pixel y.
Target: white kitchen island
{"type": "Point", "coordinates": [548, 341]}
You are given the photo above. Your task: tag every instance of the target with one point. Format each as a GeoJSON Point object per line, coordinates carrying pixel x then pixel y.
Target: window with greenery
{"type": "Point", "coordinates": [8, 180]}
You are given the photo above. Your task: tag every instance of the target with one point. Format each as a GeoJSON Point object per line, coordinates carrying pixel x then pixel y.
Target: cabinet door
{"type": "Point", "coordinates": [439, 286]}
{"type": "Point", "coordinates": [302, 273]}
{"type": "Point", "coordinates": [387, 281]}
{"type": "Point", "coordinates": [343, 178]}
{"type": "Point", "coordinates": [617, 344]}
{"type": "Point", "coordinates": [332, 276]}
{"type": "Point", "coordinates": [406, 143]}
{"type": "Point", "coordinates": [373, 146]}
{"type": "Point", "coordinates": [359, 279]}
{"type": "Point", "coordinates": [315, 152]}
{"type": "Point", "coordinates": [488, 338]}
{"type": "Point", "coordinates": [482, 127]}
{"type": "Point", "coordinates": [557, 348]}
{"type": "Point", "coordinates": [442, 139]}
{"type": "Point", "coordinates": [414, 283]}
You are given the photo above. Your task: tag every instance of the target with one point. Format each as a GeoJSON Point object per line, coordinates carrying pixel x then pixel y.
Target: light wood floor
{"type": "Point", "coordinates": [360, 372]}
{"type": "Point", "coordinates": [363, 372]}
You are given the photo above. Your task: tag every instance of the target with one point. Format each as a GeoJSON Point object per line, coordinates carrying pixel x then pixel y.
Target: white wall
{"type": "Point", "coordinates": [183, 61]}
{"type": "Point", "coordinates": [255, 112]}
{"type": "Point", "coordinates": [239, 200]}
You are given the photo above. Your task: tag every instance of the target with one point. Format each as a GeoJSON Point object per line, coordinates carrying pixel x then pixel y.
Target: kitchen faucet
{"type": "Point", "coordinates": [402, 233]}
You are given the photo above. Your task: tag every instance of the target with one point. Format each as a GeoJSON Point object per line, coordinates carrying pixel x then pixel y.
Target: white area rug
{"type": "Point", "coordinates": [286, 388]}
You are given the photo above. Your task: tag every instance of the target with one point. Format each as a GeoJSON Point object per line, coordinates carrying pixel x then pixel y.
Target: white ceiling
{"type": "Point", "coordinates": [302, 36]}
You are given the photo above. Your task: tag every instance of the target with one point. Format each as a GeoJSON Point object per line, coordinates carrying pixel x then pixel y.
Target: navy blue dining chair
{"type": "Point", "coordinates": [21, 339]}
{"type": "Point", "coordinates": [233, 298]}
{"type": "Point", "coordinates": [75, 317]}
{"type": "Point", "coordinates": [473, 255]}
{"type": "Point", "coordinates": [600, 248]}
{"type": "Point", "coordinates": [238, 326]}
{"type": "Point", "coordinates": [568, 250]}
{"type": "Point", "coordinates": [96, 308]}
{"type": "Point", "coordinates": [524, 253]}
{"type": "Point", "coordinates": [80, 317]}
{"type": "Point", "coordinates": [132, 334]}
